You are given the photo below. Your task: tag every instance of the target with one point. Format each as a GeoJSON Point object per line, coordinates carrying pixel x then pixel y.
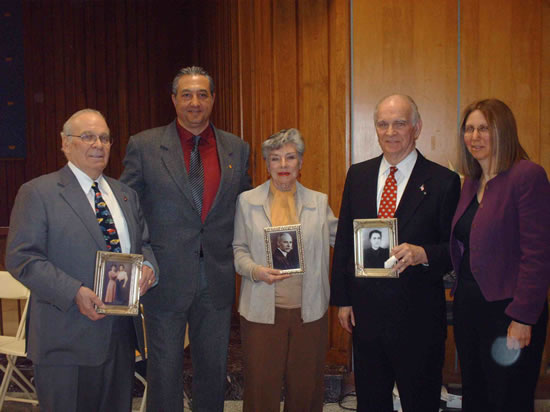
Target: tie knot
{"type": "Point", "coordinates": [393, 169]}
{"type": "Point", "coordinates": [95, 187]}
{"type": "Point", "coordinates": [196, 140]}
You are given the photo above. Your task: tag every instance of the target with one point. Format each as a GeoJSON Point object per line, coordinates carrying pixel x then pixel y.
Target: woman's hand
{"type": "Point", "coordinates": [519, 335]}
{"type": "Point", "coordinates": [269, 275]}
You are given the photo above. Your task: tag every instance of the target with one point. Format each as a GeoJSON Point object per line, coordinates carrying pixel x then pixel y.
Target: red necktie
{"type": "Point", "coordinates": [388, 201]}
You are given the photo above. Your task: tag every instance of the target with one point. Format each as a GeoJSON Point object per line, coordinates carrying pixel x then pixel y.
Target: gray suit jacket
{"type": "Point", "coordinates": [154, 166]}
{"type": "Point", "coordinates": [51, 249]}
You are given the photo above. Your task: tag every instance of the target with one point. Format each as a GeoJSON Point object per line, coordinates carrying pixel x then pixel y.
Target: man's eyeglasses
{"type": "Point", "coordinates": [92, 138]}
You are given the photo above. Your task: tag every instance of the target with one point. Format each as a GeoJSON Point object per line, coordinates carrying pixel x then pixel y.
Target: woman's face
{"type": "Point", "coordinates": [284, 165]}
{"type": "Point", "coordinates": [121, 267]}
{"type": "Point", "coordinates": [478, 140]}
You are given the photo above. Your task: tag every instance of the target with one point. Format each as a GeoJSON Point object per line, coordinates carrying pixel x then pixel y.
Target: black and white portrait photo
{"type": "Point", "coordinates": [376, 250]}
{"type": "Point", "coordinates": [284, 248]}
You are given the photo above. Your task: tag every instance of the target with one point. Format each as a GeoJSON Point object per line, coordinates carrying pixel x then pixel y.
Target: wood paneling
{"type": "Point", "coordinates": [501, 51]}
{"type": "Point", "coordinates": [411, 48]}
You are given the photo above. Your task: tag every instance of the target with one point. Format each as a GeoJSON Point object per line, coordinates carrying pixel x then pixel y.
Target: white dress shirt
{"type": "Point", "coordinates": [120, 222]}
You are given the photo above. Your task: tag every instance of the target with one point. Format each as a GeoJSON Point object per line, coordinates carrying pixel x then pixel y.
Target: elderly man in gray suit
{"type": "Point", "coordinates": [188, 175]}
{"type": "Point", "coordinates": [83, 361]}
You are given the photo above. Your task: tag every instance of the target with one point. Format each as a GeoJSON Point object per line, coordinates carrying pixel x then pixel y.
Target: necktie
{"type": "Point", "coordinates": [388, 201]}
{"type": "Point", "coordinates": [106, 222]}
{"type": "Point", "coordinates": [196, 175]}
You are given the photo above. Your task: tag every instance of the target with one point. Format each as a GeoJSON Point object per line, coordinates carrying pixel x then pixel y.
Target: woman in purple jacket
{"type": "Point", "coordinates": [500, 244]}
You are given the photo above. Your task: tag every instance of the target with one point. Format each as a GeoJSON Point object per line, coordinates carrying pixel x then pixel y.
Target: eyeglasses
{"type": "Point", "coordinates": [92, 138]}
{"type": "Point", "coordinates": [483, 129]}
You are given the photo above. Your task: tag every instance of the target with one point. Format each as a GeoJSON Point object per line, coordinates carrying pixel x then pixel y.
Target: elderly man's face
{"type": "Point", "coordinates": [193, 103]}
{"type": "Point", "coordinates": [375, 240]}
{"type": "Point", "coordinates": [90, 158]}
{"type": "Point", "coordinates": [396, 133]}
{"type": "Point", "coordinates": [285, 242]}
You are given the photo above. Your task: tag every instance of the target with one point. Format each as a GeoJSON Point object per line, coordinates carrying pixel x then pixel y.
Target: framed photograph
{"type": "Point", "coordinates": [116, 282]}
{"type": "Point", "coordinates": [373, 240]}
{"type": "Point", "coordinates": [284, 248]}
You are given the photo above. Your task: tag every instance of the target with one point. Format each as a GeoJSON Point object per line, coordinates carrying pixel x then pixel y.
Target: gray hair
{"type": "Point", "coordinates": [415, 114]}
{"type": "Point", "coordinates": [67, 126]}
{"type": "Point", "coordinates": [279, 139]}
{"type": "Point", "coordinates": [192, 71]}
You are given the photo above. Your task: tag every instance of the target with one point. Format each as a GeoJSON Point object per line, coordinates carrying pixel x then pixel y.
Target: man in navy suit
{"type": "Point", "coordinates": [398, 325]}
{"type": "Point", "coordinates": [192, 235]}
{"type": "Point", "coordinates": [83, 361]}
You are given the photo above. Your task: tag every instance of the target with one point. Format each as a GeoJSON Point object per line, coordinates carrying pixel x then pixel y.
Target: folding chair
{"type": "Point", "coordinates": [14, 346]}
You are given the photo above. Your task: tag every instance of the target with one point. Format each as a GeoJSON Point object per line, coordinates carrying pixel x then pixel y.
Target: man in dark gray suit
{"type": "Point", "coordinates": [83, 361]}
{"type": "Point", "coordinates": [188, 175]}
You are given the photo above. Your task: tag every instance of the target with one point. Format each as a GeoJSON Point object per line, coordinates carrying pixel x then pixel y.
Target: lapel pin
{"type": "Point", "coordinates": [125, 198]}
{"type": "Point", "coordinates": [422, 189]}
{"type": "Point", "coordinates": [230, 166]}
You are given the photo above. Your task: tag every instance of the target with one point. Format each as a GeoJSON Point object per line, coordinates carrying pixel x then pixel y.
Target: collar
{"type": "Point", "coordinates": [259, 196]}
{"type": "Point", "coordinates": [186, 136]}
{"type": "Point", "coordinates": [84, 180]}
{"type": "Point", "coordinates": [404, 167]}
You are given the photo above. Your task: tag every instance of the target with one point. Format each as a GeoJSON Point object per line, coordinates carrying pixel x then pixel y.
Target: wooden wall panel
{"type": "Point", "coordinates": [501, 53]}
{"type": "Point", "coordinates": [411, 48]}
{"type": "Point", "coordinates": [545, 88]}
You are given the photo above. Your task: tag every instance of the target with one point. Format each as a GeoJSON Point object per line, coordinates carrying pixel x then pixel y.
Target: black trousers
{"type": "Point", "coordinates": [413, 361]}
{"type": "Point", "coordinates": [103, 388]}
{"type": "Point", "coordinates": [494, 378]}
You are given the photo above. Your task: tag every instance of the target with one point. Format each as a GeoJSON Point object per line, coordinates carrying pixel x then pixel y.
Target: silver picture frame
{"type": "Point", "coordinates": [287, 237]}
{"type": "Point", "coordinates": [373, 241]}
{"type": "Point", "coordinates": [116, 282]}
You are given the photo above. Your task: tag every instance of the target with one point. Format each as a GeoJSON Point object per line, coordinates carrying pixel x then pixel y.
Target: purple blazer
{"type": "Point", "coordinates": [510, 239]}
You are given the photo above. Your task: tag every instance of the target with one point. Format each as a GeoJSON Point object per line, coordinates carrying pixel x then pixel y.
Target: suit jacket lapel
{"type": "Point", "coordinates": [371, 187]}
{"type": "Point", "coordinates": [72, 193]}
{"type": "Point", "coordinates": [172, 157]}
{"type": "Point", "coordinates": [225, 157]}
{"type": "Point", "coordinates": [122, 198]}
{"type": "Point", "coordinates": [414, 193]}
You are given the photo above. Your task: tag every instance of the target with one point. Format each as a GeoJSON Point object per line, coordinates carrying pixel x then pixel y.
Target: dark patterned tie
{"type": "Point", "coordinates": [196, 175]}
{"type": "Point", "coordinates": [106, 222]}
{"type": "Point", "coordinates": [388, 200]}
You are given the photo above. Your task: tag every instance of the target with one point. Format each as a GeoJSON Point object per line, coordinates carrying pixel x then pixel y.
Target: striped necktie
{"type": "Point", "coordinates": [196, 175]}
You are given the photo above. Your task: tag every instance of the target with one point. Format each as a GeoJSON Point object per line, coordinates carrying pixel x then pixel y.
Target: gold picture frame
{"type": "Point", "coordinates": [284, 248]}
{"type": "Point", "coordinates": [116, 282]}
{"type": "Point", "coordinates": [373, 241]}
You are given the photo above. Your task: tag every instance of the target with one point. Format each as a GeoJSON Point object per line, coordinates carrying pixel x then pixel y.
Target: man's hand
{"type": "Point", "coordinates": [85, 300]}
{"type": "Point", "coordinates": [408, 255]}
{"type": "Point", "coordinates": [346, 318]}
{"type": "Point", "coordinates": [519, 335]}
{"type": "Point", "coordinates": [147, 279]}
{"type": "Point", "coordinates": [269, 275]}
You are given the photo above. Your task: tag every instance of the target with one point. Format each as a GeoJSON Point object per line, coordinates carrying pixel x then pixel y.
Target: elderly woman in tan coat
{"type": "Point", "coordinates": [284, 325]}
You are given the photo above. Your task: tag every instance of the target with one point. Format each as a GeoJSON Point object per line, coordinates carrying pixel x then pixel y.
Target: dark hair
{"type": "Point", "coordinates": [191, 71]}
{"type": "Point", "coordinates": [372, 232]}
{"type": "Point", "coordinates": [503, 132]}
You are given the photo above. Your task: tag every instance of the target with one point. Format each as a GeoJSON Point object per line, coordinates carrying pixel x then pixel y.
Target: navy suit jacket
{"type": "Point", "coordinates": [424, 218]}
{"type": "Point", "coordinates": [510, 239]}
